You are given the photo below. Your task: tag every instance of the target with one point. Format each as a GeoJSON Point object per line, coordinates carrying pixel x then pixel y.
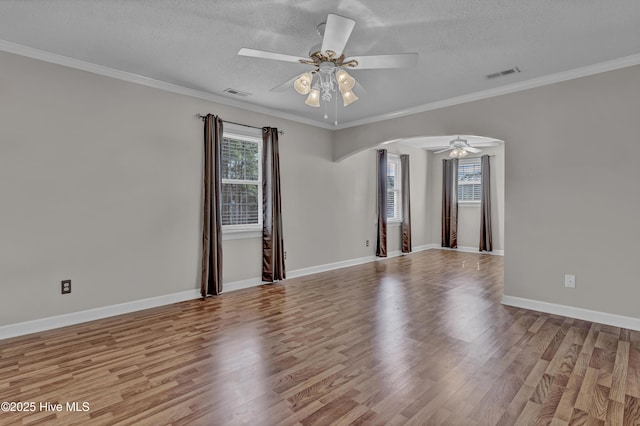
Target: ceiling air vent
{"type": "Point", "coordinates": [513, 70]}
{"type": "Point", "coordinates": [235, 92]}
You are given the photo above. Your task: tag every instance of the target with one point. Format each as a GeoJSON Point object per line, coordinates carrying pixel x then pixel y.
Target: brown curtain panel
{"type": "Point", "coordinates": [406, 204]}
{"type": "Point", "coordinates": [450, 203]}
{"type": "Point", "coordinates": [211, 280]}
{"type": "Point", "coordinates": [486, 239]}
{"type": "Point", "coordinates": [273, 268]}
{"type": "Point", "coordinates": [381, 244]}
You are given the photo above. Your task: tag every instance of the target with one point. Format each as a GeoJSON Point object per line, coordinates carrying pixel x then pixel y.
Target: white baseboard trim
{"type": "Point", "coordinates": [352, 262]}
{"type": "Point", "coordinates": [241, 285]}
{"type": "Point", "coordinates": [573, 312]}
{"type": "Point", "coordinates": [425, 247]}
{"type": "Point", "coordinates": [330, 266]}
{"type": "Point", "coordinates": [49, 323]}
{"type": "Point", "coordinates": [472, 250]}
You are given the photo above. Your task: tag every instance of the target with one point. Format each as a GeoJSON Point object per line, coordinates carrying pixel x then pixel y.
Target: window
{"type": "Point", "coordinates": [241, 171]}
{"type": "Point", "coordinates": [394, 194]}
{"type": "Point", "coordinates": [469, 180]}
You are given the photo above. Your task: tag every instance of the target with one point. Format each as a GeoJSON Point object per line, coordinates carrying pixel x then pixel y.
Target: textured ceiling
{"type": "Point", "coordinates": [194, 44]}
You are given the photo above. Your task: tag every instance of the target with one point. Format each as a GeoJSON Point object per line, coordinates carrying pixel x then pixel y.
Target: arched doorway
{"type": "Point", "coordinates": [468, 209]}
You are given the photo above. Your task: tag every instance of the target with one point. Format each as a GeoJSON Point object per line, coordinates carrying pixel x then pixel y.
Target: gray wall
{"type": "Point", "coordinates": [100, 182]}
{"type": "Point", "coordinates": [571, 177]}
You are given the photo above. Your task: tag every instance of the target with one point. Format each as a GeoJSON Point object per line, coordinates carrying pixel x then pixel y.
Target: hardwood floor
{"type": "Point", "coordinates": [417, 340]}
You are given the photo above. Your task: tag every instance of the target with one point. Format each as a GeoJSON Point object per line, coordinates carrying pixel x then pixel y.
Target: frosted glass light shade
{"type": "Point", "coordinates": [303, 83]}
{"type": "Point", "coordinates": [345, 81]}
{"type": "Point", "coordinates": [348, 97]}
{"type": "Point", "coordinates": [458, 153]}
{"type": "Point", "coordinates": [314, 98]}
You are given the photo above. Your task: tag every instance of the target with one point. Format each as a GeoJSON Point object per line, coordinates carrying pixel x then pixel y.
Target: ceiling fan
{"type": "Point", "coordinates": [459, 148]}
{"type": "Point", "coordinates": [330, 62]}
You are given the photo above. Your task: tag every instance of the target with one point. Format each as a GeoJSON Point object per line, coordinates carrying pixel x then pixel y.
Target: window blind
{"type": "Point", "coordinates": [469, 180]}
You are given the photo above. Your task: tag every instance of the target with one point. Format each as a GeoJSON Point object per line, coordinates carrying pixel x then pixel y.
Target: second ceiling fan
{"type": "Point", "coordinates": [459, 148]}
{"type": "Point", "coordinates": [330, 62]}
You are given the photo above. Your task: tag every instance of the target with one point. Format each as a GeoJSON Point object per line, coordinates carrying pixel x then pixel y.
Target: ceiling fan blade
{"type": "Point", "coordinates": [285, 85]}
{"type": "Point", "coordinates": [472, 149]}
{"type": "Point", "coordinates": [263, 54]}
{"type": "Point", "coordinates": [443, 150]}
{"type": "Point", "coordinates": [336, 33]}
{"type": "Point", "coordinates": [400, 60]}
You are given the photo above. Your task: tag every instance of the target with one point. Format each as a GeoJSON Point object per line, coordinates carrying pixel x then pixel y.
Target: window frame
{"type": "Point", "coordinates": [253, 230]}
{"type": "Point", "coordinates": [472, 202]}
{"type": "Point", "coordinates": [397, 189]}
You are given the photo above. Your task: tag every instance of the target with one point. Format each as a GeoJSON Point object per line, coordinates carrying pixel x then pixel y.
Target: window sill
{"type": "Point", "coordinates": [241, 233]}
{"type": "Point", "coordinates": [394, 223]}
{"type": "Point", "coordinates": [469, 203]}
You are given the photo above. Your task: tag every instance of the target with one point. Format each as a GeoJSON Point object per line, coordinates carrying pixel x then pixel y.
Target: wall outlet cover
{"type": "Point", "coordinates": [570, 281]}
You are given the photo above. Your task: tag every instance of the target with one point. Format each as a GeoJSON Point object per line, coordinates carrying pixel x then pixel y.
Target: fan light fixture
{"type": "Point", "coordinates": [459, 148]}
{"type": "Point", "coordinates": [313, 99]}
{"type": "Point", "coordinates": [345, 81]}
{"type": "Point", "coordinates": [348, 97]}
{"type": "Point", "coordinates": [328, 58]}
{"type": "Point", "coordinates": [458, 153]}
{"type": "Point", "coordinates": [303, 83]}
{"type": "Point", "coordinates": [323, 83]}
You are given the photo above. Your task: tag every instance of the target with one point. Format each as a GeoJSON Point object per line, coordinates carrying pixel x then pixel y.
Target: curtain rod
{"type": "Point", "coordinates": [202, 117]}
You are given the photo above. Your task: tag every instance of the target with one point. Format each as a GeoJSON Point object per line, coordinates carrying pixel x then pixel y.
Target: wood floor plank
{"type": "Point", "coordinates": [568, 399]}
{"type": "Point", "coordinates": [557, 422]}
{"type": "Point", "coordinates": [633, 372]}
{"type": "Point", "coordinates": [516, 406]}
{"type": "Point", "coordinates": [581, 418]}
{"type": "Point", "coordinates": [592, 336]}
{"type": "Point", "coordinates": [587, 390]}
{"type": "Point", "coordinates": [542, 390]}
{"type": "Point", "coordinates": [631, 411]}
{"type": "Point", "coordinates": [615, 413]}
{"type": "Point", "coordinates": [550, 404]}
{"type": "Point", "coordinates": [420, 339]}
{"type": "Point", "coordinates": [330, 412]}
{"type": "Point", "coordinates": [529, 414]}
{"type": "Point", "coordinates": [599, 403]}
{"type": "Point", "coordinates": [619, 377]}
{"type": "Point", "coordinates": [352, 415]}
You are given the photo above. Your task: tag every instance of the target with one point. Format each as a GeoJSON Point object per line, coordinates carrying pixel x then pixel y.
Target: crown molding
{"type": "Point", "coordinates": [588, 70]}
{"type": "Point", "coordinates": [66, 61]}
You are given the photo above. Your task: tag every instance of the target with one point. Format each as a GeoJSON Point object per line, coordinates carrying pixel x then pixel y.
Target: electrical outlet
{"type": "Point", "coordinates": [65, 286]}
{"type": "Point", "coordinates": [366, 243]}
{"type": "Point", "coordinates": [570, 281]}
{"type": "Point", "coordinates": [285, 255]}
